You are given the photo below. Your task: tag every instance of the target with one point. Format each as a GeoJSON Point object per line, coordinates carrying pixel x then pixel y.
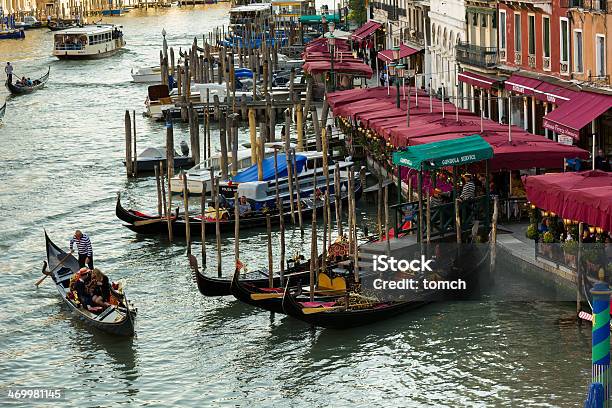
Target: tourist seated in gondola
{"type": "Point", "coordinates": [79, 286]}
{"type": "Point", "coordinates": [29, 82]}
{"type": "Point", "coordinates": [244, 207]}
{"type": "Point", "coordinates": [100, 288]}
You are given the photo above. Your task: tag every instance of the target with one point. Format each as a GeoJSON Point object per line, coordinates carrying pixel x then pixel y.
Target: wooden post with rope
{"type": "Point", "coordinates": [186, 212]}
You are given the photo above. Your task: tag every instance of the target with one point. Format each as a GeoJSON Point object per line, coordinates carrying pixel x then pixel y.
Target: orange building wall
{"type": "Point", "coordinates": [591, 24]}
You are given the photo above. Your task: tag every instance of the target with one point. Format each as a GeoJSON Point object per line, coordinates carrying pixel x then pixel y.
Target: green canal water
{"type": "Point", "coordinates": [60, 164]}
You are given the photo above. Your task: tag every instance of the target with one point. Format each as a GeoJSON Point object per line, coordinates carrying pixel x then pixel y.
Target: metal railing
{"type": "Point", "coordinates": [69, 47]}
{"type": "Point", "coordinates": [475, 55]}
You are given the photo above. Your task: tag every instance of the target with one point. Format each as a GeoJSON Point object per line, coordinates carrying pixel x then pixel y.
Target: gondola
{"type": "Point", "coordinates": [144, 223]}
{"type": "Point", "coordinates": [2, 110]}
{"type": "Point", "coordinates": [334, 315]}
{"type": "Point", "coordinates": [221, 286]}
{"type": "Point", "coordinates": [116, 320]}
{"type": "Point", "coordinates": [271, 299]}
{"type": "Point", "coordinates": [20, 90]}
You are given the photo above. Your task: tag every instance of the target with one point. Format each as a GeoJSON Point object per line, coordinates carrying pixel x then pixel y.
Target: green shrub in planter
{"type": "Point", "coordinates": [570, 247]}
{"type": "Point", "coordinates": [548, 237]}
{"type": "Point", "coordinates": [532, 231]}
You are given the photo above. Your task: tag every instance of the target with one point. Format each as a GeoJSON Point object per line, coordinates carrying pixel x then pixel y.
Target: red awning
{"type": "Point", "coordinates": [548, 92]}
{"type": "Point", "coordinates": [569, 118]}
{"type": "Point", "coordinates": [522, 85]}
{"type": "Point", "coordinates": [405, 51]}
{"type": "Point", "coordinates": [477, 80]}
{"type": "Point", "coordinates": [366, 30]}
{"type": "Point", "coordinates": [584, 196]}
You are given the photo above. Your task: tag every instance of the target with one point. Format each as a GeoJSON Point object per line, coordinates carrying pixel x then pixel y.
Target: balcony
{"type": "Point", "coordinates": [477, 56]}
{"type": "Point", "coordinates": [588, 5]}
{"type": "Point", "coordinates": [417, 38]}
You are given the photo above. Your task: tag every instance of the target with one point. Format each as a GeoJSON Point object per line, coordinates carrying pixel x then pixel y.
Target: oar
{"type": "Point", "coordinates": [52, 270]}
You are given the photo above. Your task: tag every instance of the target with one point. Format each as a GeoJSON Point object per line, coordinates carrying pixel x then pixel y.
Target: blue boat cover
{"type": "Point", "coordinates": [250, 174]}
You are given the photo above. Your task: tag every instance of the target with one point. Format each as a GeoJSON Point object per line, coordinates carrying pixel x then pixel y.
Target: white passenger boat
{"type": "Point", "coordinates": [146, 75]}
{"type": "Point", "coordinates": [88, 42]}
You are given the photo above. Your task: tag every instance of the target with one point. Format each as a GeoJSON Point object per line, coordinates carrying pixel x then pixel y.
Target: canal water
{"type": "Point", "coordinates": [60, 164]}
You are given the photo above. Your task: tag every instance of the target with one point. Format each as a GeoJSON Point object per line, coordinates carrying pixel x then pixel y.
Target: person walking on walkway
{"type": "Point", "coordinates": [84, 248]}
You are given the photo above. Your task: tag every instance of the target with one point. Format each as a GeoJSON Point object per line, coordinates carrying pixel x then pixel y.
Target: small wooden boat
{"type": "Point", "coordinates": [151, 156]}
{"type": "Point", "coordinates": [36, 85]}
{"type": "Point", "coordinates": [145, 223]}
{"type": "Point", "coordinates": [10, 34]}
{"type": "Point", "coordinates": [336, 315]}
{"type": "Point", "coordinates": [221, 286]}
{"type": "Point", "coordinates": [117, 320]}
{"type": "Point", "coordinates": [62, 25]}
{"type": "Point", "coordinates": [2, 111]}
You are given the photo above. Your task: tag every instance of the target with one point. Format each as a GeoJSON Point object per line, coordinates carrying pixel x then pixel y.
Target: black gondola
{"type": "Point", "coordinates": [338, 317]}
{"type": "Point", "coordinates": [143, 223]}
{"type": "Point", "coordinates": [271, 299]}
{"type": "Point", "coordinates": [2, 110]}
{"type": "Point", "coordinates": [117, 320]}
{"type": "Point", "coordinates": [221, 286]}
{"type": "Point", "coordinates": [20, 89]}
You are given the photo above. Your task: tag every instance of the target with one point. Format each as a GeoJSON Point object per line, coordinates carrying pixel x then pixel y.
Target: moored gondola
{"type": "Point", "coordinates": [271, 299]}
{"type": "Point", "coordinates": [144, 223]}
{"type": "Point", "coordinates": [117, 320]}
{"type": "Point", "coordinates": [367, 310]}
{"type": "Point", "coordinates": [221, 286]}
{"type": "Point", "coordinates": [39, 83]}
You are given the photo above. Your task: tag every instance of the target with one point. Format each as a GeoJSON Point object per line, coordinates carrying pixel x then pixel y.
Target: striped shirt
{"type": "Point", "coordinates": [83, 245]}
{"type": "Point", "coordinates": [469, 190]}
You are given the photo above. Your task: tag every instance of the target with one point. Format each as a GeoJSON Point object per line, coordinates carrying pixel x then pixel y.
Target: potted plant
{"type": "Point", "coordinates": [547, 239]}
{"type": "Point", "coordinates": [532, 232]}
{"type": "Point", "coordinates": [570, 251]}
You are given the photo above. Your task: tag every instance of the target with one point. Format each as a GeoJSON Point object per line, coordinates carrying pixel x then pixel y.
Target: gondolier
{"type": "Point", "coordinates": [9, 72]}
{"type": "Point", "coordinates": [84, 249]}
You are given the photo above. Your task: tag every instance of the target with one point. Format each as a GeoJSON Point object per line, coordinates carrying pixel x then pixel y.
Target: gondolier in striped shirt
{"type": "Point", "coordinates": [84, 248]}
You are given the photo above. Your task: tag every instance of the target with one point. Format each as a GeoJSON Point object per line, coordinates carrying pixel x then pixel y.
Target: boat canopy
{"type": "Point", "coordinates": [454, 152]}
{"type": "Point", "coordinates": [250, 174]}
{"type": "Point", "coordinates": [316, 19]}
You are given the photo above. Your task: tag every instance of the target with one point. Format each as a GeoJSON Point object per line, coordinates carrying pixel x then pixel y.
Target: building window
{"type": "Point", "coordinates": [546, 36]}
{"type": "Point", "coordinates": [475, 19]}
{"type": "Point", "coordinates": [502, 35]}
{"type": "Point", "coordinates": [517, 33]}
{"type": "Point", "coordinates": [564, 39]}
{"type": "Point", "coordinates": [600, 54]}
{"type": "Point", "coordinates": [484, 20]}
{"type": "Point", "coordinates": [532, 41]}
{"type": "Point", "coordinates": [578, 51]}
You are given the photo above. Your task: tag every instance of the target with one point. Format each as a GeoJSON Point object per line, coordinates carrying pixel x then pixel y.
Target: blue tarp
{"type": "Point", "coordinates": [250, 174]}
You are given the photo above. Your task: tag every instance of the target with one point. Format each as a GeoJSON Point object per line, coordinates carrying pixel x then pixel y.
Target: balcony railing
{"type": "Point", "coordinates": [589, 5]}
{"type": "Point", "coordinates": [475, 55]}
{"type": "Point", "coordinates": [415, 38]}
{"type": "Point", "coordinates": [600, 80]}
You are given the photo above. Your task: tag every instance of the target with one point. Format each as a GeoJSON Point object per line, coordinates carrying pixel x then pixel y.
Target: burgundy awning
{"type": "Point", "coordinates": [355, 68]}
{"type": "Point", "coordinates": [522, 85]}
{"type": "Point", "coordinates": [404, 52]}
{"type": "Point", "coordinates": [366, 30]}
{"type": "Point", "coordinates": [553, 93]}
{"type": "Point", "coordinates": [477, 80]}
{"type": "Point", "coordinates": [584, 196]}
{"type": "Point", "coordinates": [569, 118]}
